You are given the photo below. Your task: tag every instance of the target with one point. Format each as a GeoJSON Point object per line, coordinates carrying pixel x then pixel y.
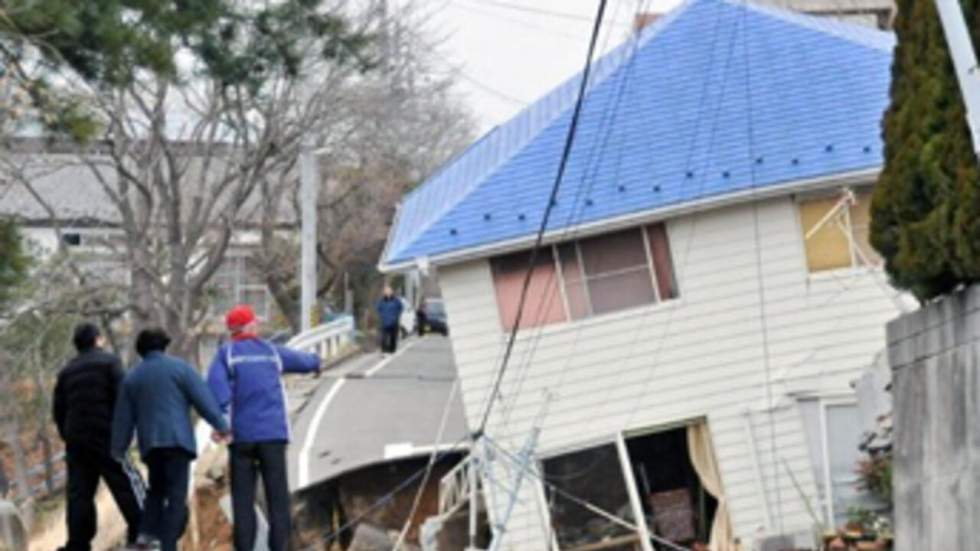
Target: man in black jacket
{"type": "Point", "coordinates": [84, 400]}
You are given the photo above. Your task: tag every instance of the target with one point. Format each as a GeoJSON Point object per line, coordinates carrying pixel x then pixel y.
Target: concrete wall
{"type": "Point", "coordinates": [935, 359]}
{"type": "Point", "coordinates": [700, 356]}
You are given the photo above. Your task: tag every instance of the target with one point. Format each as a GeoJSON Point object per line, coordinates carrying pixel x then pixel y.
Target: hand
{"type": "Point", "coordinates": [221, 437]}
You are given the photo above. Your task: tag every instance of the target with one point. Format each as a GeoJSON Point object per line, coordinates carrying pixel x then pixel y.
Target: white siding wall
{"type": "Point", "coordinates": [699, 356]}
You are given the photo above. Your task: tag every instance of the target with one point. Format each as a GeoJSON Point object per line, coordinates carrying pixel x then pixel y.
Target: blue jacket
{"type": "Point", "coordinates": [246, 378]}
{"type": "Point", "coordinates": [390, 311]}
{"type": "Point", "coordinates": [155, 401]}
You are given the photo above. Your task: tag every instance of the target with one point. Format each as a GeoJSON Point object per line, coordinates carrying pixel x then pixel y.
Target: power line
{"type": "Point", "coordinates": [491, 90]}
{"type": "Point", "coordinates": [587, 182]}
{"type": "Point", "coordinates": [456, 70]}
{"type": "Point", "coordinates": [540, 11]}
{"type": "Point", "coordinates": [495, 389]}
{"type": "Point", "coordinates": [517, 21]}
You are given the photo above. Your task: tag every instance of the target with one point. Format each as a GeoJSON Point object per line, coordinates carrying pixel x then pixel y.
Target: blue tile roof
{"type": "Point", "coordinates": [716, 98]}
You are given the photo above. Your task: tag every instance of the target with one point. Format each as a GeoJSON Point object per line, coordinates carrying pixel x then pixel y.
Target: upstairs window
{"type": "Point", "coordinates": [835, 232]}
{"type": "Point", "coordinates": [592, 276]}
{"type": "Point", "coordinates": [543, 304]}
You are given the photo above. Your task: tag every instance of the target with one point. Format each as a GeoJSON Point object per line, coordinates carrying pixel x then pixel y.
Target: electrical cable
{"type": "Point", "coordinates": [495, 389]}
{"type": "Point", "coordinates": [516, 21]}
{"type": "Point", "coordinates": [830, 300]}
{"type": "Point", "coordinates": [385, 499]}
{"type": "Point", "coordinates": [540, 11]}
{"type": "Point", "coordinates": [764, 320]}
{"type": "Point", "coordinates": [587, 183]}
{"type": "Point", "coordinates": [544, 223]}
{"type": "Point", "coordinates": [515, 461]}
{"type": "Point", "coordinates": [432, 463]}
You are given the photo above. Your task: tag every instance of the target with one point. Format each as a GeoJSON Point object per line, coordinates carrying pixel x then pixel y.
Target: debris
{"type": "Point", "coordinates": [13, 537]}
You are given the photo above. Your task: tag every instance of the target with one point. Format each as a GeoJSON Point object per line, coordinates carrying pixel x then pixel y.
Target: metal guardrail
{"type": "Point", "coordinates": [327, 340]}
{"type": "Point", "coordinates": [455, 488]}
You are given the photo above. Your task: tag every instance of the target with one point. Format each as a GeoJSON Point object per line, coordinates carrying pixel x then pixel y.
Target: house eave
{"type": "Point", "coordinates": [855, 177]}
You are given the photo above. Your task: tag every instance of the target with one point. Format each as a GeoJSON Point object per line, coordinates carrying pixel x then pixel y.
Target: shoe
{"type": "Point", "coordinates": [145, 543]}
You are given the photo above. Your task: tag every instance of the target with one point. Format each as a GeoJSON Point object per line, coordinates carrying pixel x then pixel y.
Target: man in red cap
{"type": "Point", "coordinates": [246, 378]}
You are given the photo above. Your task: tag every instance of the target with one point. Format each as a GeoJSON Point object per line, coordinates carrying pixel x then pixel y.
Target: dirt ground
{"type": "Point", "coordinates": [208, 528]}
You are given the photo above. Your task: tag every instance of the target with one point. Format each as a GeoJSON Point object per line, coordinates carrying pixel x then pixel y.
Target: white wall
{"type": "Point", "coordinates": [699, 356]}
{"type": "Point", "coordinates": [44, 240]}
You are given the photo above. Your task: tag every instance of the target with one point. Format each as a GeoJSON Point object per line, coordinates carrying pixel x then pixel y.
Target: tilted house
{"type": "Point", "coordinates": [707, 292]}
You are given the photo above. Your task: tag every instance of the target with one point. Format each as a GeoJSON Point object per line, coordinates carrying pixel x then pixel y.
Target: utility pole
{"type": "Point", "coordinates": [309, 188]}
{"type": "Point", "coordinates": [964, 61]}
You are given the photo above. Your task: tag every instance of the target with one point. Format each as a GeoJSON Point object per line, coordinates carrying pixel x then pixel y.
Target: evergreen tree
{"type": "Point", "coordinates": [926, 206]}
{"type": "Point", "coordinates": [14, 261]}
{"type": "Point", "coordinates": [109, 42]}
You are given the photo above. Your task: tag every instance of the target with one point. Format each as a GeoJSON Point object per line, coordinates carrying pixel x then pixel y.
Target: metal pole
{"type": "Point", "coordinates": [309, 189]}
{"type": "Point", "coordinates": [964, 61]}
{"type": "Point", "coordinates": [523, 466]}
{"type": "Point", "coordinates": [474, 498]}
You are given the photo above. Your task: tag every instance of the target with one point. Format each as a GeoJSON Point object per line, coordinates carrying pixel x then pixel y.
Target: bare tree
{"type": "Point", "coordinates": [385, 132]}
{"type": "Point", "coordinates": [183, 166]}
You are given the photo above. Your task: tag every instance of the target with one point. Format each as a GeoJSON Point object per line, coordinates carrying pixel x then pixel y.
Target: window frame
{"type": "Point", "coordinates": [854, 249]}
{"type": "Point", "coordinates": [617, 439]}
{"type": "Point", "coordinates": [649, 266]}
{"type": "Point", "coordinates": [237, 275]}
{"type": "Point", "coordinates": [825, 484]}
{"type": "Point", "coordinates": [826, 403]}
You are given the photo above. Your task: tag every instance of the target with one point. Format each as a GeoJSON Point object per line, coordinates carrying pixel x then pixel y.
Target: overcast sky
{"type": "Point", "coordinates": [510, 52]}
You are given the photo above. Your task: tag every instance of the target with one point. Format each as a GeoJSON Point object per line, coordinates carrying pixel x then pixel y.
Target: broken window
{"type": "Point", "coordinates": [663, 264]}
{"type": "Point", "coordinates": [597, 275]}
{"type": "Point", "coordinates": [595, 476]}
{"type": "Point", "coordinates": [836, 230]}
{"type": "Point", "coordinates": [676, 505]}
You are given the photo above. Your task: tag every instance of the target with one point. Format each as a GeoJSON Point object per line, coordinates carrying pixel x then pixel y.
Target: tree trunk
{"type": "Point", "coordinates": [21, 476]}
{"type": "Point", "coordinates": [43, 436]}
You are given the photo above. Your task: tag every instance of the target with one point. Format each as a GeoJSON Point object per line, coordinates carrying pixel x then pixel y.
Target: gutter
{"type": "Point", "coordinates": [632, 219]}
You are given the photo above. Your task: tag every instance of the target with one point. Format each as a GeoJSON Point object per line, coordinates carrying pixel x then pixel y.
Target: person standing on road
{"type": "Point", "coordinates": [84, 399]}
{"type": "Point", "coordinates": [155, 401]}
{"type": "Point", "coordinates": [390, 314]}
{"type": "Point", "coordinates": [246, 379]}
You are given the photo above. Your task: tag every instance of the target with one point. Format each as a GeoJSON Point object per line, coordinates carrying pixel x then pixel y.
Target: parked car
{"type": "Point", "coordinates": [432, 317]}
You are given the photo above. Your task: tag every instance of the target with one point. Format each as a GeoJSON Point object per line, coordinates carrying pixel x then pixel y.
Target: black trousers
{"type": "Point", "coordinates": [166, 504]}
{"type": "Point", "coordinates": [389, 339]}
{"type": "Point", "coordinates": [248, 460]}
{"type": "Point", "coordinates": [85, 468]}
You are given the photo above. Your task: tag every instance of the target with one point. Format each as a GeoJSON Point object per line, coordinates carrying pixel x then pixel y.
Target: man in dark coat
{"type": "Point", "coordinates": [390, 314]}
{"type": "Point", "coordinates": [84, 399]}
{"type": "Point", "coordinates": [155, 401]}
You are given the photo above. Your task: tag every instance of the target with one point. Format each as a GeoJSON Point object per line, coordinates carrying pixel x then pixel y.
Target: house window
{"type": "Point", "coordinates": [834, 433]}
{"type": "Point", "coordinates": [72, 239]}
{"type": "Point", "coordinates": [835, 232]}
{"type": "Point", "coordinates": [659, 480]}
{"type": "Point", "coordinates": [543, 304]}
{"type": "Point", "coordinates": [594, 475]}
{"type": "Point", "coordinates": [592, 276]}
{"type": "Point", "coordinates": [239, 281]}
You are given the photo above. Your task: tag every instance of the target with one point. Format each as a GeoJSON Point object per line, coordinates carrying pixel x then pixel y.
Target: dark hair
{"type": "Point", "coordinates": [152, 340]}
{"type": "Point", "coordinates": [85, 336]}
